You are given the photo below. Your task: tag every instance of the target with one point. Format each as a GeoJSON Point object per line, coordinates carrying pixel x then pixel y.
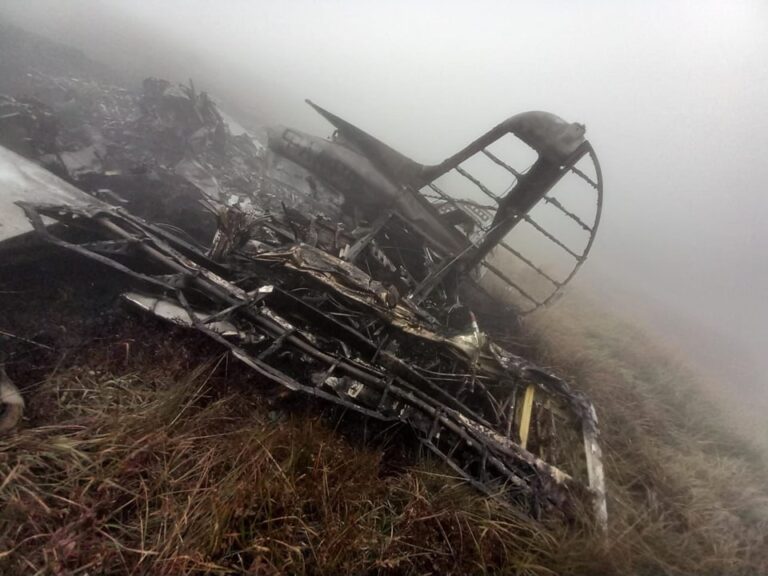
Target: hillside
{"type": "Point", "coordinates": [24, 56]}
{"type": "Point", "coordinates": [148, 449]}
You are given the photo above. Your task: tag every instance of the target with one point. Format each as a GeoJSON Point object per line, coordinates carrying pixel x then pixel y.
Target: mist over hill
{"type": "Point", "coordinates": [677, 121]}
{"type": "Point", "coordinates": [677, 277]}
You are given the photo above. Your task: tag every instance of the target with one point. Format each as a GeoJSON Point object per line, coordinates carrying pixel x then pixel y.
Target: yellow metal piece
{"type": "Point", "coordinates": [525, 415]}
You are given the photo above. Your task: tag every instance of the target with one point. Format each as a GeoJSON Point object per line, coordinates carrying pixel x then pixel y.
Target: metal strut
{"type": "Point", "coordinates": [386, 388]}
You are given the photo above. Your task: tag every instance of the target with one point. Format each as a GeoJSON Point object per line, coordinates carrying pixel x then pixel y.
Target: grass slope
{"type": "Point", "coordinates": [162, 458]}
{"type": "Point", "coordinates": [687, 495]}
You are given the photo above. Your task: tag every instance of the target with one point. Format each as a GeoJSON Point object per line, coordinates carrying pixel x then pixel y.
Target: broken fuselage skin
{"type": "Point", "coordinates": [358, 179]}
{"type": "Point", "coordinates": [375, 178]}
{"type": "Point", "coordinates": [496, 419]}
{"type": "Point", "coordinates": [484, 411]}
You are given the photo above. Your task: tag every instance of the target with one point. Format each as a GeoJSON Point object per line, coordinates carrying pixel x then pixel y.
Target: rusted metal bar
{"type": "Point", "coordinates": [354, 250]}
{"type": "Point", "coordinates": [549, 235]}
{"type": "Point", "coordinates": [501, 163]}
{"type": "Point", "coordinates": [509, 281]}
{"type": "Point", "coordinates": [391, 377]}
{"type": "Point", "coordinates": [452, 201]}
{"type": "Point", "coordinates": [526, 410]}
{"type": "Point", "coordinates": [230, 309]}
{"type": "Point", "coordinates": [556, 203]}
{"type": "Point", "coordinates": [530, 264]}
{"type": "Point", "coordinates": [277, 343]}
{"type": "Point", "coordinates": [584, 177]}
{"type": "Point", "coordinates": [477, 183]}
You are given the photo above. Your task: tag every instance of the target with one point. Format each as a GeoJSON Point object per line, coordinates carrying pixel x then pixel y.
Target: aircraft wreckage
{"type": "Point", "coordinates": [337, 268]}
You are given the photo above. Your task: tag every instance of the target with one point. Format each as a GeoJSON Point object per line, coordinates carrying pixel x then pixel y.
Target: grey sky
{"type": "Point", "coordinates": [673, 95]}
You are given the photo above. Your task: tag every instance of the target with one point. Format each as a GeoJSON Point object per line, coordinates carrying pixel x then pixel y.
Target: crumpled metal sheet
{"type": "Point", "coordinates": [462, 234]}
{"type": "Point", "coordinates": [300, 315]}
{"type": "Point", "coordinates": [340, 276]}
{"type": "Point", "coordinates": [23, 180]}
{"type": "Point", "coordinates": [173, 312]}
{"type": "Point", "coordinates": [346, 368]}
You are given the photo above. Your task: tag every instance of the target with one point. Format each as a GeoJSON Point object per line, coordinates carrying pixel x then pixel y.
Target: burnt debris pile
{"type": "Point", "coordinates": [338, 269]}
{"type": "Point", "coordinates": [159, 152]}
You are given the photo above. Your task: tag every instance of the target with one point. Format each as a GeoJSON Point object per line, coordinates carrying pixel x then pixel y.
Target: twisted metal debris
{"type": "Point", "coordinates": [345, 271]}
{"type": "Point", "coordinates": [463, 409]}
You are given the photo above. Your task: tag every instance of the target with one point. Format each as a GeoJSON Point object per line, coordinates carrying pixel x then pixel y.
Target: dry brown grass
{"type": "Point", "coordinates": [171, 461]}
{"type": "Point", "coordinates": [147, 467]}
{"type": "Point", "coordinates": [687, 494]}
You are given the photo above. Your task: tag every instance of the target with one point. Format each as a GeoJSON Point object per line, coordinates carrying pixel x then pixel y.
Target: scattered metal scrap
{"type": "Point", "coordinates": [460, 234]}
{"type": "Point", "coordinates": [11, 401]}
{"type": "Point", "coordinates": [324, 328]}
{"type": "Point", "coordinates": [370, 295]}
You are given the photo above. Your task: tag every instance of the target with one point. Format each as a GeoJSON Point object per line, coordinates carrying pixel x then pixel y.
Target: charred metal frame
{"type": "Point", "coordinates": [338, 363]}
{"type": "Point", "coordinates": [360, 166]}
{"type": "Point", "coordinates": [374, 303]}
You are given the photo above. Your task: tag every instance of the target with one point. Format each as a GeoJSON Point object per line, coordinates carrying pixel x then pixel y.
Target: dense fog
{"type": "Point", "coordinates": [673, 95]}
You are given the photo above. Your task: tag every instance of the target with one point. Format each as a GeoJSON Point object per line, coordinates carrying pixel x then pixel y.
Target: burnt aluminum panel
{"type": "Point", "coordinates": [23, 180]}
